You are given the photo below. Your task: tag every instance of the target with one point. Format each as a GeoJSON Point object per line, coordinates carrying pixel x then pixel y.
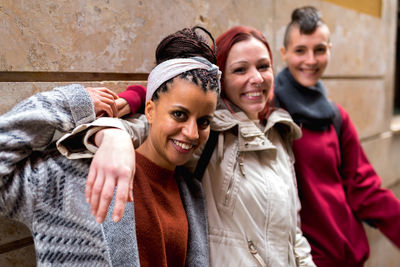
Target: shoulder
{"type": "Point", "coordinates": [223, 120]}
{"type": "Point", "coordinates": [343, 112]}
{"type": "Point", "coordinates": [348, 130]}
{"type": "Point", "coordinates": [188, 184]}
{"type": "Point", "coordinates": [281, 120]}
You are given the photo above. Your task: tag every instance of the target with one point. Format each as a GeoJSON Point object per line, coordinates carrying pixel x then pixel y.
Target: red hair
{"type": "Point", "coordinates": [224, 44]}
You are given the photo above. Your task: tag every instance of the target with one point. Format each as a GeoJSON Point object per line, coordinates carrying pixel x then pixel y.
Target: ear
{"type": "Point", "coordinates": [283, 53]}
{"type": "Point", "coordinates": [149, 110]}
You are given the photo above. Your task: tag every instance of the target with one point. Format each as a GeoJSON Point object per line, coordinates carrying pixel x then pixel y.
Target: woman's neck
{"type": "Point", "coordinates": [148, 150]}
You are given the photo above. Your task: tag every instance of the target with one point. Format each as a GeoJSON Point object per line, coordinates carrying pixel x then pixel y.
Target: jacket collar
{"type": "Point", "coordinates": [224, 120]}
{"type": "Point", "coordinates": [250, 136]}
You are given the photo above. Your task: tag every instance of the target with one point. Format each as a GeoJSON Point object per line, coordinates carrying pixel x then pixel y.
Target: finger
{"type": "Point", "coordinates": [89, 182]}
{"type": "Point", "coordinates": [115, 95]}
{"type": "Point", "coordinates": [112, 107]}
{"type": "Point", "coordinates": [121, 102]}
{"type": "Point", "coordinates": [107, 109]}
{"type": "Point", "coordinates": [122, 193]}
{"type": "Point", "coordinates": [96, 192]}
{"type": "Point", "coordinates": [105, 199]}
{"type": "Point", "coordinates": [109, 106]}
{"type": "Point", "coordinates": [109, 92]}
{"type": "Point", "coordinates": [130, 193]}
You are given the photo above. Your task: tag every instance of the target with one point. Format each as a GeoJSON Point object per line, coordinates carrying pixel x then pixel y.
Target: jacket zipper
{"type": "Point", "coordinates": [254, 252]}
{"type": "Point", "coordinates": [231, 181]}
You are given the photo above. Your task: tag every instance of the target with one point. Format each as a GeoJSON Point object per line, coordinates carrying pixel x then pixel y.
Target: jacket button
{"type": "Point", "coordinates": [246, 144]}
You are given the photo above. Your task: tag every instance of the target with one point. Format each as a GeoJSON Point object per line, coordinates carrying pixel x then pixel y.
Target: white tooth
{"type": "Point", "coordinates": [254, 94]}
{"type": "Point", "coordinates": [183, 145]}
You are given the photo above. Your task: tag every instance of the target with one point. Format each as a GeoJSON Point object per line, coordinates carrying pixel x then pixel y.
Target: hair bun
{"type": "Point", "coordinates": [184, 44]}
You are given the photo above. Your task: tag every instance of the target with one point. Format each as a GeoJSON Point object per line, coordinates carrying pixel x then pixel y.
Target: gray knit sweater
{"type": "Point", "coordinates": [45, 190]}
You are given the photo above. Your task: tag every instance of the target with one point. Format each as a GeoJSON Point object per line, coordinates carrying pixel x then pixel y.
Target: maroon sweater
{"type": "Point", "coordinates": [338, 189]}
{"type": "Point", "coordinates": [161, 223]}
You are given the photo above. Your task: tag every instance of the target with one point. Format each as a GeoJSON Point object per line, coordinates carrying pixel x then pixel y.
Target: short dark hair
{"type": "Point", "coordinates": [187, 43]}
{"type": "Point", "coordinates": [306, 18]}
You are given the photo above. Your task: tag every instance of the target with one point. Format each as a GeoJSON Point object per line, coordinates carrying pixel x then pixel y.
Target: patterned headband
{"type": "Point", "coordinates": [173, 67]}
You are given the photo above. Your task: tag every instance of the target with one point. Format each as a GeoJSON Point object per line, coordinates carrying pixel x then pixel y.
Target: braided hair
{"type": "Point", "coordinates": [188, 43]}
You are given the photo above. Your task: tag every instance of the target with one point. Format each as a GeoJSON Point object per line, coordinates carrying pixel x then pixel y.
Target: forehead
{"type": "Point", "coordinates": [187, 94]}
{"type": "Point", "coordinates": [319, 36]}
{"type": "Point", "coordinates": [250, 48]}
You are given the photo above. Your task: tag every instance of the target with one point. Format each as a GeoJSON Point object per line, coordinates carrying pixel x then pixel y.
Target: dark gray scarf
{"type": "Point", "coordinates": [308, 106]}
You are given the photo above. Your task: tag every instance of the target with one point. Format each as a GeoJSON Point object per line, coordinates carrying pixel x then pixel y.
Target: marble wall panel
{"type": "Point", "coordinates": [382, 152]}
{"type": "Point", "coordinates": [23, 257]}
{"type": "Point", "coordinates": [109, 36]}
{"type": "Point", "coordinates": [365, 101]}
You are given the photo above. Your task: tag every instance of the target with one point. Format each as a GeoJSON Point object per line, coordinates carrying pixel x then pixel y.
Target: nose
{"type": "Point", "coordinates": [190, 130]}
{"type": "Point", "coordinates": [310, 58]}
{"type": "Point", "coordinates": [256, 77]}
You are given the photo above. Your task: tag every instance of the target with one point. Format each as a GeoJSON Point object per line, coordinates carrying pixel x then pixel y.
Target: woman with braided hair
{"type": "Point", "coordinates": [166, 225]}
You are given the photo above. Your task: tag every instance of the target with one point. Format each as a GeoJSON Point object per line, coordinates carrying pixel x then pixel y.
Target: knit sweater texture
{"type": "Point", "coordinates": [45, 190]}
{"type": "Point", "coordinates": [161, 224]}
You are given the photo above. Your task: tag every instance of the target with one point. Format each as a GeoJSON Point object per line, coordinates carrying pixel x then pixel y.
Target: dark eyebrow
{"type": "Point", "coordinates": [208, 117]}
{"type": "Point", "coordinates": [181, 108]}
{"type": "Point", "coordinates": [188, 112]}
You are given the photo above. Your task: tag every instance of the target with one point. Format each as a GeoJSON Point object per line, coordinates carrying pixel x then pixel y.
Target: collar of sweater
{"type": "Point", "coordinates": [308, 106]}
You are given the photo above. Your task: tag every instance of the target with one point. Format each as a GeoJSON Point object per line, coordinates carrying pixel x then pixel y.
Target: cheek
{"type": "Point", "coordinates": [234, 84]}
{"type": "Point", "coordinates": [203, 136]}
{"type": "Point", "coordinates": [324, 61]}
{"type": "Point", "coordinates": [229, 88]}
{"type": "Point", "coordinates": [294, 61]}
{"type": "Point", "coordinates": [167, 127]}
{"type": "Point", "coordinates": [268, 76]}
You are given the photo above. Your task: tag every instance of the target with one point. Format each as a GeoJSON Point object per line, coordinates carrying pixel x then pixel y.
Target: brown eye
{"type": "Point", "coordinates": [320, 50]}
{"type": "Point", "coordinates": [203, 123]}
{"type": "Point", "coordinates": [239, 70]}
{"type": "Point", "coordinates": [179, 115]}
{"type": "Point", "coordinates": [264, 67]}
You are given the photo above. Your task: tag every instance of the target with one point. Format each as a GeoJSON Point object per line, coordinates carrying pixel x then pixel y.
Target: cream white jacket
{"type": "Point", "coordinates": [251, 193]}
{"type": "Point", "coordinates": [250, 189]}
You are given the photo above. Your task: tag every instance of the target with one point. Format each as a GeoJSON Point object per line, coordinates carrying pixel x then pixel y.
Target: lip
{"type": "Point", "coordinates": [183, 147]}
{"type": "Point", "coordinates": [309, 72]}
{"type": "Point", "coordinates": [254, 94]}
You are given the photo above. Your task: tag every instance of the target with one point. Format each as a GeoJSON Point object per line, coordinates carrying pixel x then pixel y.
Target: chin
{"type": "Point", "coordinates": [178, 161]}
{"type": "Point", "coordinates": [308, 82]}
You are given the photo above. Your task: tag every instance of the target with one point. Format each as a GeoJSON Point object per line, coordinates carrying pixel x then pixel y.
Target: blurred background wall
{"type": "Point", "coordinates": [111, 43]}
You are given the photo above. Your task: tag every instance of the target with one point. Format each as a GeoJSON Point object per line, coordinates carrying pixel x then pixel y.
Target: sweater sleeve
{"type": "Point", "coordinates": [135, 95]}
{"type": "Point", "coordinates": [28, 129]}
{"type": "Point", "coordinates": [368, 200]}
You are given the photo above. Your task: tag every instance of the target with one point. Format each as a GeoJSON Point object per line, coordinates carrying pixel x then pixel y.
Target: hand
{"type": "Point", "coordinates": [103, 100]}
{"type": "Point", "coordinates": [112, 166]}
{"type": "Point", "coordinates": [122, 107]}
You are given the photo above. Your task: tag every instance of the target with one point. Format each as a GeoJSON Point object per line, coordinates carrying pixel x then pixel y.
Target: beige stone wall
{"type": "Point", "coordinates": [101, 42]}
